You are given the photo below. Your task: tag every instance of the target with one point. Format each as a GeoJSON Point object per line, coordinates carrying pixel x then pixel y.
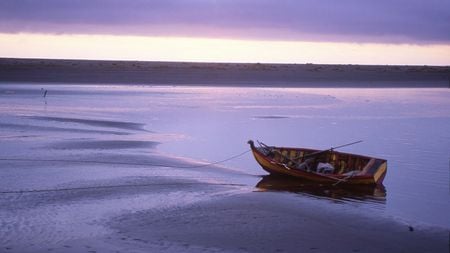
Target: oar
{"type": "Point", "coordinates": [345, 145]}
{"type": "Point", "coordinates": [331, 149]}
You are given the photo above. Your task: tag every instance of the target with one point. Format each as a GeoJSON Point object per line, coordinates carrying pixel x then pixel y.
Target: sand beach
{"type": "Point", "coordinates": [221, 74]}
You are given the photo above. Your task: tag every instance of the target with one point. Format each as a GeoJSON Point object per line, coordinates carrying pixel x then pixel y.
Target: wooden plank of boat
{"type": "Point", "coordinates": [343, 168]}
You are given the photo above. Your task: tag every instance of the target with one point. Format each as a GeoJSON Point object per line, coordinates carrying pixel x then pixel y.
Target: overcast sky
{"type": "Point", "coordinates": [379, 21]}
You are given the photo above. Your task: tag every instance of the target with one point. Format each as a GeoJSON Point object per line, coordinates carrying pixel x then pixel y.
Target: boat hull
{"type": "Point", "coordinates": [375, 171]}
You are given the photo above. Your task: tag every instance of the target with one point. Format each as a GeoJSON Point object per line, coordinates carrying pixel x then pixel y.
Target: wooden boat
{"type": "Point", "coordinates": [322, 166]}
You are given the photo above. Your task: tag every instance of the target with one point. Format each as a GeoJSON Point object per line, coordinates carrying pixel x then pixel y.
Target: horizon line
{"type": "Point", "coordinates": [212, 62]}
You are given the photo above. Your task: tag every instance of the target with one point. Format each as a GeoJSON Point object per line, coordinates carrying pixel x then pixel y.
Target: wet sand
{"type": "Point", "coordinates": [151, 214]}
{"type": "Point", "coordinates": [273, 222]}
{"type": "Point", "coordinates": [134, 197]}
{"type": "Point", "coordinates": [220, 74]}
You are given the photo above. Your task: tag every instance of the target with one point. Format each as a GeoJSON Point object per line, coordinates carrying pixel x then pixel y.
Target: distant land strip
{"type": "Point", "coordinates": [220, 74]}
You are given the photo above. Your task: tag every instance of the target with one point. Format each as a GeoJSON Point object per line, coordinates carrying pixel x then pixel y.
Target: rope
{"type": "Point", "coordinates": [116, 163]}
{"type": "Point", "coordinates": [110, 187]}
{"type": "Point", "coordinates": [125, 163]}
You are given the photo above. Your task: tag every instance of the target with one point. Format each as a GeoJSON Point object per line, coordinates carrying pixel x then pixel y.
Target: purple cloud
{"type": "Point", "coordinates": [389, 21]}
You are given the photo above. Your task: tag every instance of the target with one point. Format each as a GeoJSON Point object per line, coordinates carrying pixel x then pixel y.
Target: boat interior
{"type": "Point", "coordinates": [327, 161]}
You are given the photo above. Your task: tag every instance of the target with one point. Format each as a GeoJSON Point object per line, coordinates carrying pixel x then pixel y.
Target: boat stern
{"type": "Point", "coordinates": [380, 172]}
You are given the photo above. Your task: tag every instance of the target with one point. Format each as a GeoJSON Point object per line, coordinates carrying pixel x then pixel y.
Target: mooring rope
{"type": "Point", "coordinates": [117, 163]}
{"type": "Point", "coordinates": [125, 163]}
{"type": "Point", "coordinates": [113, 186]}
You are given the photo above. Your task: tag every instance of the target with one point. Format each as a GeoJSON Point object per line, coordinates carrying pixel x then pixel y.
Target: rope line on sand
{"type": "Point", "coordinates": [118, 163]}
{"type": "Point", "coordinates": [112, 187]}
{"type": "Point", "coordinates": [125, 163]}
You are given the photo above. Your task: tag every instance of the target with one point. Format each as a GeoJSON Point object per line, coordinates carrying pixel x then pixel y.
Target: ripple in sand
{"type": "Point", "coordinates": [109, 144]}
{"type": "Point", "coordinates": [271, 117]}
{"type": "Point", "coordinates": [28, 127]}
{"type": "Point", "coordinates": [91, 122]}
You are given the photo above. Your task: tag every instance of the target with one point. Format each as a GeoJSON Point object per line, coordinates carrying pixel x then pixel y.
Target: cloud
{"type": "Point", "coordinates": [384, 21]}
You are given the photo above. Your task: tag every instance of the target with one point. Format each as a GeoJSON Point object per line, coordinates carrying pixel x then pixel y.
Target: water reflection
{"type": "Point", "coordinates": [338, 192]}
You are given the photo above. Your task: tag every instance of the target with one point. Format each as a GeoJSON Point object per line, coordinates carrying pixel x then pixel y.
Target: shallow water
{"type": "Point", "coordinates": [184, 126]}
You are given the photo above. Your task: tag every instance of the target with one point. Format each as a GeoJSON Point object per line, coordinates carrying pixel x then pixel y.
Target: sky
{"type": "Point", "coordinates": [415, 32]}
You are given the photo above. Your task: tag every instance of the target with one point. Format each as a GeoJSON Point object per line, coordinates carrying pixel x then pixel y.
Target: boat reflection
{"type": "Point", "coordinates": [338, 192]}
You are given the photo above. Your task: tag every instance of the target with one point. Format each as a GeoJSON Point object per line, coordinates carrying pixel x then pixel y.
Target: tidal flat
{"type": "Point", "coordinates": [132, 168]}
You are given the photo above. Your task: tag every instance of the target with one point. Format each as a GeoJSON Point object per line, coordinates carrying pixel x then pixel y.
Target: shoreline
{"type": "Point", "coordinates": [221, 74]}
